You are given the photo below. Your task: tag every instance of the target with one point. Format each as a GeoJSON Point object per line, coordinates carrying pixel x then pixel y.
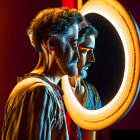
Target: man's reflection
{"type": "Point", "coordinates": [85, 92]}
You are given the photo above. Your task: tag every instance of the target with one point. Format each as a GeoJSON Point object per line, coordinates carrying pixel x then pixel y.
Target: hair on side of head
{"type": "Point", "coordinates": [87, 29]}
{"type": "Point", "coordinates": [51, 22]}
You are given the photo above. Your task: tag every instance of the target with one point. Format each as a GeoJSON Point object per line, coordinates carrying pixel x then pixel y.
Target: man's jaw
{"type": "Point", "coordinates": [86, 66]}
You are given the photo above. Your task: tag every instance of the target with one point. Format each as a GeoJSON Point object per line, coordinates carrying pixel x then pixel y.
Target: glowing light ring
{"type": "Point", "coordinates": [117, 15]}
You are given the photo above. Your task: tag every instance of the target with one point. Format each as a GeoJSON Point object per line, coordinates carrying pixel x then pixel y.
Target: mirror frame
{"type": "Point", "coordinates": [128, 31]}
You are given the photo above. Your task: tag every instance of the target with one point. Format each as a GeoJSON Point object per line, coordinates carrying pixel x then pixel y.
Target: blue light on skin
{"type": "Point", "coordinates": [86, 55]}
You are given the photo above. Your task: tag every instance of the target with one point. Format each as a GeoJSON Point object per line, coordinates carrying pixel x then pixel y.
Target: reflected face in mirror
{"type": "Point", "coordinates": [110, 73]}
{"type": "Point", "coordinates": [86, 48]}
{"type": "Point", "coordinates": [106, 74]}
{"type": "Point", "coordinates": [83, 90]}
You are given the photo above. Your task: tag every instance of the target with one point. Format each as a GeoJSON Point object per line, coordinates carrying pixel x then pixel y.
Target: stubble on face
{"type": "Point", "coordinates": [84, 62]}
{"type": "Point", "coordinates": [65, 53]}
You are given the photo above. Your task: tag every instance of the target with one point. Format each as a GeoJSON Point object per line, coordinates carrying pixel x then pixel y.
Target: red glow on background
{"type": "Point", "coordinates": [68, 3]}
{"type": "Point", "coordinates": [17, 57]}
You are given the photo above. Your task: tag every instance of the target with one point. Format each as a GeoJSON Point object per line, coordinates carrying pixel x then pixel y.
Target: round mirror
{"type": "Point", "coordinates": [115, 73]}
{"type": "Point", "coordinates": [106, 73]}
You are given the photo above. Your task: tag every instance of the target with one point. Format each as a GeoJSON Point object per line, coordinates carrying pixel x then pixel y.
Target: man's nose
{"type": "Point", "coordinates": [91, 57]}
{"type": "Point", "coordinates": [76, 54]}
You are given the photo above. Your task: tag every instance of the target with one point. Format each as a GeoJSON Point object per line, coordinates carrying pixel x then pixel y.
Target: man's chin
{"type": "Point", "coordinates": [83, 74]}
{"type": "Point", "coordinates": [71, 73]}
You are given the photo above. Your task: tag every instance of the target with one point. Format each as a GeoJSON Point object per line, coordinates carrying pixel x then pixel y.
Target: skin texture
{"type": "Point", "coordinates": [59, 56]}
{"type": "Point", "coordinates": [86, 55]}
{"type": "Point", "coordinates": [86, 49]}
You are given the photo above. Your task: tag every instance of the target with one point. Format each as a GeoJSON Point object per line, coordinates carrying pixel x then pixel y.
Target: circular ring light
{"type": "Point", "coordinates": [99, 119]}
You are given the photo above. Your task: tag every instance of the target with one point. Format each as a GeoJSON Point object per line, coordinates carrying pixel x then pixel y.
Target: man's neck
{"type": "Point", "coordinates": [50, 69]}
{"type": "Point", "coordinates": [78, 88]}
{"type": "Point", "coordinates": [75, 81]}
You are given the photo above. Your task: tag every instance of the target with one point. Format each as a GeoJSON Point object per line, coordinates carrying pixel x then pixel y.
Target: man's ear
{"type": "Point", "coordinates": [51, 43]}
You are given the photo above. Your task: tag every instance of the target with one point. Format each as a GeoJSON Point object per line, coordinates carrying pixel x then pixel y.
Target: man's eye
{"type": "Point", "coordinates": [83, 50]}
{"type": "Point", "coordinates": [74, 44]}
{"type": "Point", "coordinates": [90, 52]}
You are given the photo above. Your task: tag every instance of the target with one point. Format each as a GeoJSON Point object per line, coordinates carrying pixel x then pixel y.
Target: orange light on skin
{"type": "Point", "coordinates": [99, 119]}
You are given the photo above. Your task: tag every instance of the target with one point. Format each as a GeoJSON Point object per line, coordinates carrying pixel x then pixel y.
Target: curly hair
{"type": "Point", "coordinates": [51, 22]}
{"type": "Point", "coordinates": [87, 28]}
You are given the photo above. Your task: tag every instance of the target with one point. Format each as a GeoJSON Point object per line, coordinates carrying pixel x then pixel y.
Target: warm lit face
{"type": "Point", "coordinates": [67, 53]}
{"type": "Point", "coordinates": [86, 55]}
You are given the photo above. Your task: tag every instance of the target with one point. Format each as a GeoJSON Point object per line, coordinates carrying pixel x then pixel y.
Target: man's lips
{"type": "Point", "coordinates": [86, 66]}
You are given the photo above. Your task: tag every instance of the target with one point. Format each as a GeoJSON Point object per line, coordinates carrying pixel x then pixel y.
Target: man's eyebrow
{"type": "Point", "coordinates": [86, 47]}
{"type": "Point", "coordinates": [76, 39]}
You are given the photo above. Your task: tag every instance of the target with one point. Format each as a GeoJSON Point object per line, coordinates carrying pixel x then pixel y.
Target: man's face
{"type": "Point", "coordinates": [67, 53]}
{"type": "Point", "coordinates": [86, 55]}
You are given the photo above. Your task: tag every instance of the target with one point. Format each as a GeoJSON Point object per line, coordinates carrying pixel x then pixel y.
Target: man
{"type": "Point", "coordinates": [86, 93]}
{"type": "Point", "coordinates": [35, 110]}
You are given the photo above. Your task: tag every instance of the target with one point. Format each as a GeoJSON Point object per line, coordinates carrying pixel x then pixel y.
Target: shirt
{"type": "Point", "coordinates": [35, 111]}
{"type": "Point", "coordinates": [91, 100]}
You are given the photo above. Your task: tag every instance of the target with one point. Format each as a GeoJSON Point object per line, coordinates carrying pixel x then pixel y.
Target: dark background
{"type": "Point", "coordinates": [17, 57]}
{"type": "Point", "coordinates": [106, 73]}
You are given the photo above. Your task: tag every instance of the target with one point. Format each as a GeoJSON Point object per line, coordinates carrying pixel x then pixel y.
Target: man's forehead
{"type": "Point", "coordinates": [88, 42]}
{"type": "Point", "coordinates": [73, 29]}
{"type": "Point", "coordinates": [90, 36]}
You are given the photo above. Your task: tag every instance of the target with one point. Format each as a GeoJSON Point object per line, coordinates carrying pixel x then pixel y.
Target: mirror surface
{"type": "Point", "coordinates": [117, 87]}
{"type": "Point", "coordinates": [106, 73]}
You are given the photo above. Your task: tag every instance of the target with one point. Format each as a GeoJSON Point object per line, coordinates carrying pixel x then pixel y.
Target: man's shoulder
{"type": "Point", "coordinates": [30, 85]}
{"type": "Point", "coordinates": [30, 89]}
{"type": "Point", "coordinates": [91, 87]}
{"type": "Point", "coordinates": [89, 84]}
